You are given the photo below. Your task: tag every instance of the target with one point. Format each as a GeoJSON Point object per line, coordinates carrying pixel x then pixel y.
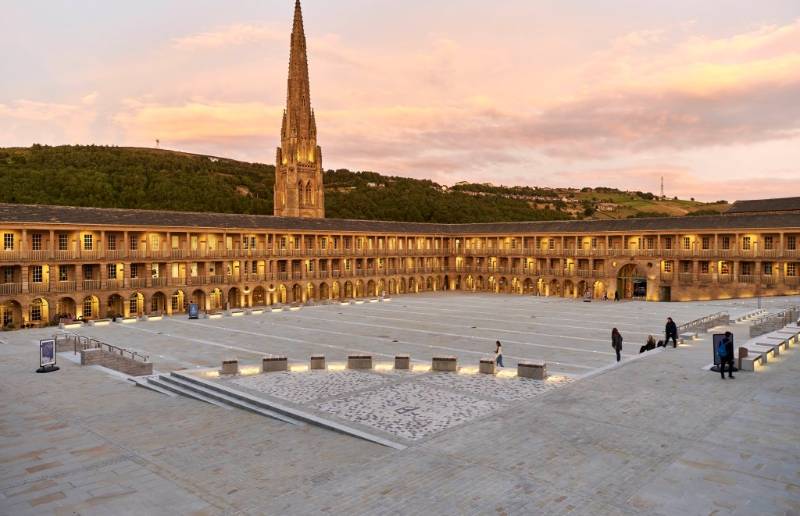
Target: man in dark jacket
{"type": "Point", "coordinates": [672, 333]}
{"type": "Point", "coordinates": [725, 352]}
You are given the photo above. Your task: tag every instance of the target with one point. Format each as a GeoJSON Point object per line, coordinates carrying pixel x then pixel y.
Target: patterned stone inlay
{"type": "Point", "coordinates": [409, 410]}
{"type": "Point", "coordinates": [486, 385]}
{"type": "Point", "coordinates": [308, 386]}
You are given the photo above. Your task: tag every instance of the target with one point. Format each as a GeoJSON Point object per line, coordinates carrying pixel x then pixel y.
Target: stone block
{"type": "Point", "coordinates": [274, 364]}
{"type": "Point", "coordinates": [230, 367]}
{"type": "Point", "coordinates": [359, 362]}
{"type": "Point", "coordinates": [402, 362]}
{"type": "Point", "coordinates": [317, 362]}
{"type": "Point", "coordinates": [487, 366]}
{"type": "Point", "coordinates": [444, 364]}
{"type": "Point", "coordinates": [534, 370]}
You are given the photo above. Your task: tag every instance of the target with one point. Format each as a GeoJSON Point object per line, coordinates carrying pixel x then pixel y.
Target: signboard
{"type": "Point", "coordinates": [47, 353]}
{"type": "Point", "coordinates": [194, 311]}
{"type": "Point", "coordinates": [718, 337]}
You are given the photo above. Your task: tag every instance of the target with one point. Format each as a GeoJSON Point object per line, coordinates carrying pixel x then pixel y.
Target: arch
{"type": "Point", "coordinates": [541, 287]}
{"type": "Point", "coordinates": [297, 293]}
{"type": "Point", "coordinates": [359, 288]}
{"type": "Point", "coordinates": [470, 282]}
{"type": "Point", "coordinates": [10, 315]}
{"type": "Point", "coordinates": [336, 290]}
{"type": "Point", "coordinates": [281, 294]}
{"type": "Point", "coordinates": [324, 291]}
{"type": "Point", "coordinates": [348, 290]}
{"type": "Point", "coordinates": [569, 288]}
{"type": "Point", "coordinates": [39, 311]}
{"type": "Point", "coordinates": [631, 282]}
{"type": "Point", "coordinates": [66, 308]}
{"type": "Point", "coordinates": [392, 287]}
{"type": "Point", "coordinates": [199, 298]}
{"type": "Point", "coordinates": [178, 302]}
{"type": "Point", "coordinates": [115, 306]}
{"type": "Point", "coordinates": [401, 286]}
{"type": "Point", "coordinates": [429, 284]}
{"type": "Point", "coordinates": [136, 304]}
{"type": "Point", "coordinates": [234, 298]}
{"type": "Point", "coordinates": [259, 296]}
{"type": "Point", "coordinates": [480, 283]}
{"type": "Point", "coordinates": [372, 288]}
{"type": "Point", "coordinates": [502, 285]}
{"type": "Point", "coordinates": [582, 290]}
{"type": "Point", "coordinates": [528, 286]}
{"type": "Point", "coordinates": [554, 289]}
{"type": "Point", "coordinates": [311, 292]}
{"type": "Point", "coordinates": [215, 299]}
{"type": "Point", "coordinates": [309, 194]}
{"type": "Point", "coordinates": [300, 191]}
{"type": "Point", "coordinates": [492, 284]}
{"type": "Point", "coordinates": [89, 308]}
{"type": "Point", "coordinates": [158, 303]}
{"type": "Point", "coordinates": [412, 286]}
{"type": "Point", "coordinates": [380, 289]}
{"type": "Point", "coordinates": [516, 286]}
{"type": "Point", "coordinates": [599, 289]}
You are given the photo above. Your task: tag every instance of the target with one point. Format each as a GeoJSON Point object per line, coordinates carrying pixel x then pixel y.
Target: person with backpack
{"type": "Point", "coordinates": [498, 353]}
{"type": "Point", "coordinates": [672, 333]}
{"type": "Point", "coordinates": [616, 343]}
{"type": "Point", "coordinates": [725, 353]}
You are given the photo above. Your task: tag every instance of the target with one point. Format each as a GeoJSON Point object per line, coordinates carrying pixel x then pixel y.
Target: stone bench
{"type": "Point", "coordinates": [237, 313]}
{"type": "Point", "coordinates": [359, 362]}
{"type": "Point", "coordinates": [689, 335]}
{"type": "Point", "coordinates": [155, 317]}
{"type": "Point", "coordinates": [100, 322]}
{"type": "Point", "coordinates": [274, 364]}
{"type": "Point", "coordinates": [792, 336]}
{"type": "Point", "coordinates": [402, 362]}
{"type": "Point", "coordinates": [768, 353]}
{"type": "Point", "coordinates": [70, 326]}
{"type": "Point", "coordinates": [213, 316]}
{"type": "Point", "coordinates": [129, 320]}
{"type": "Point", "coordinates": [534, 370]}
{"type": "Point", "coordinates": [256, 311]}
{"type": "Point", "coordinates": [487, 366]}
{"type": "Point", "coordinates": [748, 362]}
{"type": "Point", "coordinates": [782, 342]}
{"type": "Point", "coordinates": [229, 367]}
{"type": "Point", "coordinates": [444, 364]}
{"type": "Point", "coordinates": [317, 363]}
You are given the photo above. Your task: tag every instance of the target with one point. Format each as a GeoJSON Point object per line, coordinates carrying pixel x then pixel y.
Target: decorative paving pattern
{"type": "Point", "coordinates": [486, 385]}
{"type": "Point", "coordinates": [312, 385]}
{"type": "Point", "coordinates": [409, 410]}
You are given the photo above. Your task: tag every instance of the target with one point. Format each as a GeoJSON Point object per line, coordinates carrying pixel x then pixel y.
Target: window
{"type": "Point", "coordinates": [8, 241]}
{"type": "Point", "coordinates": [791, 269]}
{"type": "Point", "coordinates": [768, 242]}
{"type": "Point", "coordinates": [134, 270]}
{"type": "Point", "coordinates": [87, 272]}
{"type": "Point", "coordinates": [87, 307]}
{"type": "Point", "coordinates": [668, 243]}
{"type": "Point", "coordinates": [323, 243]}
{"type": "Point", "coordinates": [155, 242]}
{"type": "Point", "coordinates": [112, 242]}
{"type": "Point", "coordinates": [594, 243]}
{"type": "Point", "coordinates": [551, 243]}
{"type": "Point", "coordinates": [88, 241]}
{"type": "Point", "coordinates": [8, 275]}
{"type": "Point", "coordinates": [359, 243]}
{"type": "Point", "coordinates": [112, 271]}
{"type": "Point", "coordinates": [686, 267]}
{"type": "Point", "coordinates": [703, 267]}
{"type": "Point", "coordinates": [36, 242]}
{"type": "Point", "coordinates": [8, 318]}
{"type": "Point", "coordinates": [347, 265]}
{"type": "Point", "coordinates": [725, 267]}
{"type": "Point", "coordinates": [63, 273]}
{"type": "Point", "coordinates": [706, 243]}
{"type": "Point", "coordinates": [687, 243]}
{"type": "Point", "coordinates": [36, 311]}
{"type": "Point", "coordinates": [282, 243]}
{"type": "Point", "coordinates": [667, 266]}
{"type": "Point", "coordinates": [726, 243]}
{"type": "Point", "coordinates": [245, 243]}
{"type": "Point", "coordinates": [133, 305]}
{"type": "Point", "coordinates": [134, 243]}
{"type": "Point", "coordinates": [63, 242]}
{"type": "Point", "coordinates": [746, 243]}
{"type": "Point", "coordinates": [36, 273]}
{"type": "Point", "coordinates": [767, 268]}
{"type": "Point", "coordinates": [747, 269]}
{"type": "Point", "coordinates": [791, 243]}
{"type": "Point", "coordinates": [176, 242]}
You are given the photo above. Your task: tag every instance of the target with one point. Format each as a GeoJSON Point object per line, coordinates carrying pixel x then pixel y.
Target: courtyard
{"type": "Point", "coordinates": [595, 438]}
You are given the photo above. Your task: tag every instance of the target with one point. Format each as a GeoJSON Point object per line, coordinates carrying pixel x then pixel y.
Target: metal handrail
{"type": "Point", "coordinates": [81, 343]}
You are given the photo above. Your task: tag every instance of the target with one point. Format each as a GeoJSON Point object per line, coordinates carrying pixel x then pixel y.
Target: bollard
{"type": "Point", "coordinates": [533, 370]}
{"type": "Point", "coordinates": [359, 362]}
{"type": "Point", "coordinates": [444, 364]}
{"type": "Point", "coordinates": [487, 366]}
{"type": "Point", "coordinates": [230, 367]}
{"type": "Point", "coordinates": [402, 362]}
{"type": "Point", "coordinates": [274, 364]}
{"type": "Point", "coordinates": [317, 362]}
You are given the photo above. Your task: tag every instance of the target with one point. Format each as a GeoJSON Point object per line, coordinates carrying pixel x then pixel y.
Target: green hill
{"type": "Point", "coordinates": [118, 177]}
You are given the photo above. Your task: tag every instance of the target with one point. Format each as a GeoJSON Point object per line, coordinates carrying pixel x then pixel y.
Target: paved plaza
{"type": "Point", "coordinates": [656, 435]}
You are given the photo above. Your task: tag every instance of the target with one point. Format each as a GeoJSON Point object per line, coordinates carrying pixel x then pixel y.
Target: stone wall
{"type": "Point", "coordinates": [116, 362]}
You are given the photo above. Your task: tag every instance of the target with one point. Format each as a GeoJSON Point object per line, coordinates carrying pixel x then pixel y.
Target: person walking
{"type": "Point", "coordinates": [672, 333]}
{"type": "Point", "coordinates": [616, 343]}
{"type": "Point", "coordinates": [498, 354]}
{"type": "Point", "coordinates": [725, 353]}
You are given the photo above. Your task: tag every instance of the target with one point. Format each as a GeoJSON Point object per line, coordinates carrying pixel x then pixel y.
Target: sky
{"type": "Point", "coordinates": [552, 93]}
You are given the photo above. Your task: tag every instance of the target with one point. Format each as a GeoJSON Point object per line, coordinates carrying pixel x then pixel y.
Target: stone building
{"type": "Point", "coordinates": [61, 262]}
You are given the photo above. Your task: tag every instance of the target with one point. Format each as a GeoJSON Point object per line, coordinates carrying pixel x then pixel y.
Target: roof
{"type": "Point", "coordinates": [67, 215]}
{"type": "Point", "coordinates": [766, 205]}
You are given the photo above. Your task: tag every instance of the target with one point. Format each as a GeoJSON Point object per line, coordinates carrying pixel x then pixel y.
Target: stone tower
{"type": "Point", "coordinates": [299, 190]}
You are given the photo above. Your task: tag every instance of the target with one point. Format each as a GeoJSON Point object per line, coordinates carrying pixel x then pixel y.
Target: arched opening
{"type": "Point", "coordinates": [39, 312]}
{"type": "Point", "coordinates": [359, 288]}
{"type": "Point", "coordinates": [541, 287]}
{"type": "Point", "coordinates": [65, 309]}
{"type": "Point", "coordinates": [300, 196]}
{"type": "Point", "coordinates": [502, 285]}
{"type": "Point", "coordinates": [348, 290]}
{"type": "Point", "coordinates": [582, 290]}
{"type": "Point", "coordinates": [178, 301]}
{"type": "Point", "coordinates": [380, 289]}
{"type": "Point", "coordinates": [528, 286]}
{"type": "Point", "coordinates": [199, 298]}
{"type": "Point", "coordinates": [324, 291]}
{"type": "Point", "coordinates": [259, 296]}
{"type": "Point", "coordinates": [115, 307]}
{"type": "Point", "coordinates": [631, 283]}
{"type": "Point", "coordinates": [90, 308]}
{"type": "Point", "coordinates": [282, 294]}
{"type": "Point", "coordinates": [371, 288]}
{"type": "Point", "coordinates": [392, 287]}
{"type": "Point", "coordinates": [234, 298]}
{"type": "Point", "coordinates": [470, 282]}
{"type": "Point", "coordinates": [11, 315]}
{"type": "Point", "coordinates": [599, 290]}
{"type": "Point", "coordinates": [136, 304]}
{"type": "Point", "coordinates": [480, 283]}
{"type": "Point", "coordinates": [412, 286]}
{"type": "Point", "coordinates": [446, 283]}
{"type": "Point", "coordinates": [215, 299]}
{"type": "Point", "coordinates": [401, 286]}
{"type": "Point", "coordinates": [336, 290]}
{"type": "Point", "coordinates": [555, 288]}
{"type": "Point", "coordinates": [309, 194]}
{"type": "Point", "coordinates": [297, 293]}
{"type": "Point", "coordinates": [158, 303]}
{"type": "Point", "coordinates": [492, 283]}
{"type": "Point", "coordinates": [311, 292]}
{"type": "Point", "coordinates": [569, 288]}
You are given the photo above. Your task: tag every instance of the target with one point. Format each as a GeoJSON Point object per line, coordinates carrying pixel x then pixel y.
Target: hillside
{"type": "Point", "coordinates": [117, 177]}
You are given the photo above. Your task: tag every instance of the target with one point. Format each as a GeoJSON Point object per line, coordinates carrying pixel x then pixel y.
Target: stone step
{"type": "Point", "coordinates": [287, 412]}
{"type": "Point", "coordinates": [161, 383]}
{"type": "Point", "coordinates": [144, 383]}
{"type": "Point", "coordinates": [225, 399]}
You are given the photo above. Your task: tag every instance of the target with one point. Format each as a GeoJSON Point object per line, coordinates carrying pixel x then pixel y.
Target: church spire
{"type": "Point", "coordinates": [299, 191]}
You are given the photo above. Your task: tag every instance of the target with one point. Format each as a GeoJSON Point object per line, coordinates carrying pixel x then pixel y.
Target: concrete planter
{"type": "Point", "coordinates": [444, 364]}
{"type": "Point", "coordinates": [317, 362]}
{"type": "Point", "coordinates": [100, 322]}
{"type": "Point", "coordinates": [274, 364]}
{"type": "Point", "coordinates": [230, 367]}
{"type": "Point", "coordinates": [533, 370]}
{"type": "Point", "coordinates": [359, 362]}
{"type": "Point", "coordinates": [402, 362]}
{"type": "Point", "coordinates": [487, 366]}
